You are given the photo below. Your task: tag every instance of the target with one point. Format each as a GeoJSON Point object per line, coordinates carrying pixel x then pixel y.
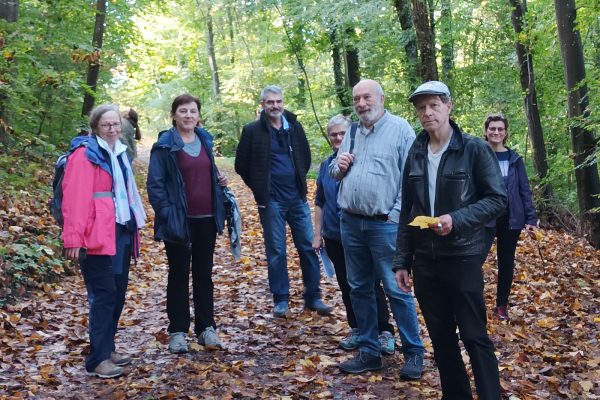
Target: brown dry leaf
{"type": "Point", "coordinates": [423, 221]}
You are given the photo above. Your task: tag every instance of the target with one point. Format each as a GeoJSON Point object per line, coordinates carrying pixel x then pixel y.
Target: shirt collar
{"type": "Point", "coordinates": [376, 125]}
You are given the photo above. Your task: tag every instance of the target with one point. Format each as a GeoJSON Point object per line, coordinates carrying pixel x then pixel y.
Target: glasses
{"type": "Point", "coordinates": [494, 129]}
{"type": "Point", "coordinates": [334, 134]}
{"type": "Point", "coordinates": [107, 127]}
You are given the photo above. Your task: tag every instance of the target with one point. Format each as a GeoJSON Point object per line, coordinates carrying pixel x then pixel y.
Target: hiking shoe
{"type": "Point", "coordinates": [320, 307]}
{"type": "Point", "coordinates": [387, 343]}
{"type": "Point", "coordinates": [210, 339]}
{"type": "Point", "coordinates": [350, 342]}
{"type": "Point", "coordinates": [413, 366]}
{"type": "Point", "coordinates": [177, 343]}
{"type": "Point", "coordinates": [120, 360]}
{"type": "Point", "coordinates": [361, 363]}
{"type": "Point", "coordinates": [107, 369]}
{"type": "Point", "coordinates": [280, 310]}
{"type": "Point", "coordinates": [501, 313]}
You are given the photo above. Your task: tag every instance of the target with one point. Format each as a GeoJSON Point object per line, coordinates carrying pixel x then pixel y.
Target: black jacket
{"type": "Point", "coordinates": [166, 190]}
{"type": "Point", "coordinates": [253, 156]}
{"type": "Point", "coordinates": [469, 188]}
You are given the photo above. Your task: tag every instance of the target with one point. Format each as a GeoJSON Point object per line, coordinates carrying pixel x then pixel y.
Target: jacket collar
{"type": "Point", "coordinates": [456, 141]}
{"type": "Point", "coordinates": [287, 119]}
{"type": "Point", "coordinates": [170, 139]}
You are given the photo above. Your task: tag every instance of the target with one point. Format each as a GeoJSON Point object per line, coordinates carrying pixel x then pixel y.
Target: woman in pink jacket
{"type": "Point", "coordinates": [102, 213]}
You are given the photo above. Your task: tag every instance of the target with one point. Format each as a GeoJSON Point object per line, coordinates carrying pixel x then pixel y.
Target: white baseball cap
{"type": "Point", "coordinates": [435, 88]}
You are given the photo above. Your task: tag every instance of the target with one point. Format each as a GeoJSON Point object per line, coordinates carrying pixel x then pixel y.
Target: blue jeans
{"type": "Point", "coordinates": [273, 219]}
{"type": "Point", "coordinates": [370, 246]}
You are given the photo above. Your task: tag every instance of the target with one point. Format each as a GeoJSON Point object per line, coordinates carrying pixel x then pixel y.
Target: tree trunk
{"type": "Point", "coordinates": [231, 33]}
{"type": "Point", "coordinates": [352, 61]}
{"type": "Point", "coordinates": [410, 46]}
{"type": "Point", "coordinates": [341, 90]}
{"type": "Point", "coordinates": [583, 140]}
{"type": "Point", "coordinates": [94, 67]}
{"type": "Point", "coordinates": [425, 40]}
{"type": "Point", "coordinates": [9, 11]}
{"type": "Point", "coordinates": [210, 47]}
{"type": "Point", "coordinates": [447, 41]}
{"type": "Point", "coordinates": [527, 78]}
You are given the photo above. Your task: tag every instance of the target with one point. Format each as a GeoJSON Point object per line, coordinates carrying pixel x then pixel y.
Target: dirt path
{"type": "Point", "coordinates": [549, 350]}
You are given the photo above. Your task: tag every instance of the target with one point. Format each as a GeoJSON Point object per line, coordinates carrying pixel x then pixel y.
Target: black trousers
{"type": "Point", "coordinates": [506, 246]}
{"type": "Point", "coordinates": [335, 251]}
{"type": "Point", "coordinates": [450, 294]}
{"type": "Point", "coordinates": [203, 236]}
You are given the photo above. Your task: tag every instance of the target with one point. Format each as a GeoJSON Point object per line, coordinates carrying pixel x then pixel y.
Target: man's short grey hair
{"type": "Point", "coordinates": [98, 112]}
{"type": "Point", "coordinates": [271, 89]}
{"type": "Point", "coordinates": [338, 120]}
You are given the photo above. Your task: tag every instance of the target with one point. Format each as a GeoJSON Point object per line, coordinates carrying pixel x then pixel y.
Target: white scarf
{"type": "Point", "coordinates": [126, 197]}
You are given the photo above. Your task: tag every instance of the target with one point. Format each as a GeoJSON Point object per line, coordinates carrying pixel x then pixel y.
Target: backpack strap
{"type": "Point", "coordinates": [353, 128]}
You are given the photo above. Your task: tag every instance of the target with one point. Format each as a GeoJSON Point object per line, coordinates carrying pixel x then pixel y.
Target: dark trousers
{"type": "Point", "coordinates": [506, 247]}
{"type": "Point", "coordinates": [335, 251]}
{"type": "Point", "coordinates": [123, 259]}
{"type": "Point", "coordinates": [450, 293]}
{"type": "Point", "coordinates": [101, 290]}
{"type": "Point", "coordinates": [203, 236]}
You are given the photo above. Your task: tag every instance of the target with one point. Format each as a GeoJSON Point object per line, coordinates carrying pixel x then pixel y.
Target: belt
{"type": "Point", "coordinates": [377, 217]}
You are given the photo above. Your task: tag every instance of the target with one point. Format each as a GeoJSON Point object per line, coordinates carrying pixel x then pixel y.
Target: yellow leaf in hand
{"type": "Point", "coordinates": [423, 221]}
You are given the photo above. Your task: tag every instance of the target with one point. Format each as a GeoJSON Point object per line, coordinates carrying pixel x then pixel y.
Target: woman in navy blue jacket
{"type": "Point", "coordinates": [184, 191]}
{"type": "Point", "coordinates": [519, 214]}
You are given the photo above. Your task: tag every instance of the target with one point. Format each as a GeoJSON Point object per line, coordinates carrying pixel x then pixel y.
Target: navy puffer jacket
{"type": "Point", "coordinates": [166, 190]}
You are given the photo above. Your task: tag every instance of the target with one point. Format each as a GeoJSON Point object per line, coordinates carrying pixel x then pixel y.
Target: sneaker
{"type": "Point", "coordinates": [120, 360]}
{"type": "Point", "coordinates": [280, 310]}
{"type": "Point", "coordinates": [210, 339]}
{"type": "Point", "coordinates": [320, 307]}
{"type": "Point", "coordinates": [107, 369]}
{"type": "Point", "coordinates": [387, 343]}
{"type": "Point", "coordinates": [350, 342]}
{"type": "Point", "coordinates": [361, 363]}
{"type": "Point", "coordinates": [413, 366]}
{"type": "Point", "coordinates": [177, 343]}
{"type": "Point", "coordinates": [501, 313]}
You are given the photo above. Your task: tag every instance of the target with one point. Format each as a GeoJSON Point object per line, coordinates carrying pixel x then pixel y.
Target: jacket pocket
{"type": "Point", "coordinates": [100, 232]}
{"type": "Point", "coordinates": [176, 226]}
{"type": "Point", "coordinates": [454, 186]}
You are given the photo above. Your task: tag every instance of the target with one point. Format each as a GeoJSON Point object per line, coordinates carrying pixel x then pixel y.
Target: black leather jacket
{"type": "Point", "coordinates": [469, 188]}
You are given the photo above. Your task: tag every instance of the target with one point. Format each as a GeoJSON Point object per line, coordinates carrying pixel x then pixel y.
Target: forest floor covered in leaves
{"type": "Point", "coordinates": [548, 350]}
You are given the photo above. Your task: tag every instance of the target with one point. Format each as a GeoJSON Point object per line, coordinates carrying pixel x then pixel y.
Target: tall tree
{"type": "Point", "coordinates": [410, 43]}
{"type": "Point", "coordinates": [9, 11]}
{"type": "Point", "coordinates": [94, 63]}
{"type": "Point", "coordinates": [210, 47]}
{"type": "Point", "coordinates": [352, 60]}
{"type": "Point", "coordinates": [425, 40]}
{"type": "Point", "coordinates": [447, 40]}
{"type": "Point", "coordinates": [583, 140]}
{"type": "Point", "coordinates": [341, 89]}
{"type": "Point", "coordinates": [532, 112]}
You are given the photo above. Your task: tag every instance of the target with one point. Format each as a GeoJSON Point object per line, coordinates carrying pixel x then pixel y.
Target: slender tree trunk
{"type": "Point", "coordinates": [94, 67]}
{"type": "Point", "coordinates": [447, 41]}
{"type": "Point", "coordinates": [341, 90]}
{"type": "Point", "coordinates": [352, 60]}
{"type": "Point", "coordinates": [583, 140]}
{"type": "Point", "coordinates": [425, 40]}
{"type": "Point", "coordinates": [530, 103]}
{"type": "Point", "coordinates": [231, 33]}
{"type": "Point", "coordinates": [9, 11]}
{"type": "Point", "coordinates": [210, 48]}
{"type": "Point", "coordinates": [410, 46]}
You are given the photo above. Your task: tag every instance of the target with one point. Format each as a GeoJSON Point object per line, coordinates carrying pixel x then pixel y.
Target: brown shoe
{"type": "Point", "coordinates": [107, 369]}
{"type": "Point", "coordinates": [501, 313]}
{"type": "Point", "coordinates": [120, 360]}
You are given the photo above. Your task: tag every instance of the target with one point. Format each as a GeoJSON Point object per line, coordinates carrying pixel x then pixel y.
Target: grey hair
{"type": "Point", "coordinates": [445, 99]}
{"type": "Point", "coordinates": [338, 120]}
{"type": "Point", "coordinates": [271, 89]}
{"type": "Point", "coordinates": [98, 112]}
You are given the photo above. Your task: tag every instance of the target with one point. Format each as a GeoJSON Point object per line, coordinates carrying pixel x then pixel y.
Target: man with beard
{"type": "Point", "coordinates": [369, 165]}
{"type": "Point", "coordinates": [273, 158]}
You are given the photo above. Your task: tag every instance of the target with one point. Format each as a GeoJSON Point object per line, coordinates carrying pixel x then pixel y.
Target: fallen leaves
{"type": "Point", "coordinates": [423, 221]}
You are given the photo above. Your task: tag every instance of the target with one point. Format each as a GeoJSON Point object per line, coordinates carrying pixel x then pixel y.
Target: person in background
{"type": "Point", "coordinates": [184, 189]}
{"type": "Point", "coordinates": [370, 197]}
{"type": "Point", "coordinates": [454, 177]}
{"type": "Point", "coordinates": [130, 131]}
{"type": "Point", "coordinates": [519, 214]}
{"type": "Point", "coordinates": [327, 231]}
{"type": "Point", "coordinates": [273, 158]}
{"type": "Point", "coordinates": [102, 212]}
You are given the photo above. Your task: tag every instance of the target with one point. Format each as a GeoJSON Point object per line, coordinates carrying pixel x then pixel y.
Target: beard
{"type": "Point", "coordinates": [371, 116]}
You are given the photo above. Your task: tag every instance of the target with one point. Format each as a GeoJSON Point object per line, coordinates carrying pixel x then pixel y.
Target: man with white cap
{"type": "Point", "coordinates": [454, 177]}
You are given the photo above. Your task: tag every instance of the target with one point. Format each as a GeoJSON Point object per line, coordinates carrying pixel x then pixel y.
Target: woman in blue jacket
{"type": "Point", "coordinates": [184, 189]}
{"type": "Point", "coordinates": [519, 214]}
